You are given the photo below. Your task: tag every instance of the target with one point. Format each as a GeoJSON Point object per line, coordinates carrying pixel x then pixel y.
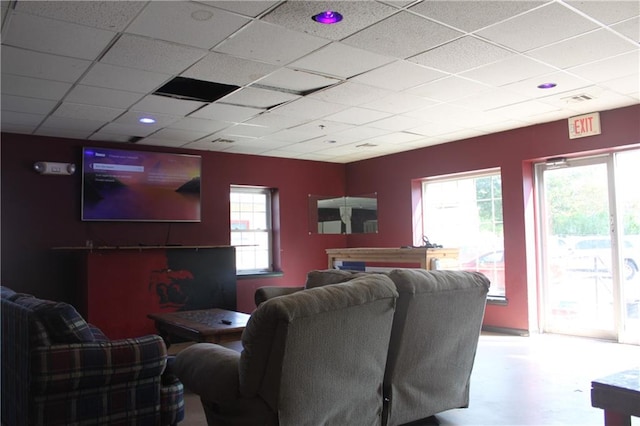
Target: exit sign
{"type": "Point", "coordinates": [584, 125]}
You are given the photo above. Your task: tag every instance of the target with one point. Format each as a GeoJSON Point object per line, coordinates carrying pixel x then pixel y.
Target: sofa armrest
{"type": "Point", "coordinates": [69, 367]}
{"type": "Point", "coordinates": [198, 364]}
{"type": "Point", "coordinates": [263, 294]}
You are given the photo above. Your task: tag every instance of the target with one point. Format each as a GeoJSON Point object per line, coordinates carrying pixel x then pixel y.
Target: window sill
{"type": "Point", "coordinates": [497, 300]}
{"type": "Point", "coordinates": [253, 275]}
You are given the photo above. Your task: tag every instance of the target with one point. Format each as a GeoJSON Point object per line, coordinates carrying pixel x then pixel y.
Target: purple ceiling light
{"type": "Point", "coordinates": [327, 17]}
{"type": "Point", "coordinates": [546, 85]}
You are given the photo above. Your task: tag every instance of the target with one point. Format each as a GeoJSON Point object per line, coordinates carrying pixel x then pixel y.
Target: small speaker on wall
{"type": "Point", "coordinates": [50, 168]}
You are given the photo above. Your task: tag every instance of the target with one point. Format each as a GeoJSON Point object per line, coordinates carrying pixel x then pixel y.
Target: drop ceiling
{"type": "Point", "coordinates": [392, 76]}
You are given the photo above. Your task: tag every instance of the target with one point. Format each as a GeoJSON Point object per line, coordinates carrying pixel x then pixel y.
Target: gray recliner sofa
{"type": "Point", "coordinates": [316, 357]}
{"type": "Point", "coordinates": [427, 364]}
{"type": "Point", "coordinates": [434, 339]}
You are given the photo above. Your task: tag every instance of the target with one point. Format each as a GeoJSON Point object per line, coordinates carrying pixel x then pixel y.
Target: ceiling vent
{"type": "Point", "coordinates": [195, 90]}
{"type": "Point", "coordinates": [366, 145]}
{"type": "Point", "coordinates": [222, 140]}
{"type": "Point", "coordinates": [577, 98]}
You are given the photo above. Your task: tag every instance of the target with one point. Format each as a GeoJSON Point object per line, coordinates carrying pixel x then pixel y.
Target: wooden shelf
{"type": "Point", "coordinates": [419, 255]}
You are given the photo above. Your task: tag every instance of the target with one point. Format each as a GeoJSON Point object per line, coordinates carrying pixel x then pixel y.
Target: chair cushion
{"type": "Point", "coordinates": [329, 276]}
{"type": "Point", "coordinates": [63, 323]}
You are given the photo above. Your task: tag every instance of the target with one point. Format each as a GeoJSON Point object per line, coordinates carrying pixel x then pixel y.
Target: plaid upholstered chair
{"type": "Point", "coordinates": [59, 370]}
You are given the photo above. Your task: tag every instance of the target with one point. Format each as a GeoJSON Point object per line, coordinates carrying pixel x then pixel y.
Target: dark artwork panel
{"type": "Point", "coordinates": [197, 279]}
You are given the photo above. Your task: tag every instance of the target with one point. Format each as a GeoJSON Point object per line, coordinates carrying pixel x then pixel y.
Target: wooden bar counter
{"type": "Point", "coordinates": [448, 257]}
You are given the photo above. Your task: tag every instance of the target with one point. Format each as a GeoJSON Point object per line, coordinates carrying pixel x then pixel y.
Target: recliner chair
{"type": "Point", "coordinates": [315, 357]}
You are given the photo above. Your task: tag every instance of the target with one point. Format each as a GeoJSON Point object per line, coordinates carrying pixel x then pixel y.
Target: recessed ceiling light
{"type": "Point", "coordinates": [201, 15]}
{"type": "Point", "coordinates": [327, 17]}
{"type": "Point", "coordinates": [147, 120]}
{"type": "Point", "coordinates": [547, 85]}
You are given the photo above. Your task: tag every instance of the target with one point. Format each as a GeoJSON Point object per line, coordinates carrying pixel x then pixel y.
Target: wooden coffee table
{"type": "Point", "coordinates": [207, 325]}
{"type": "Point", "coordinates": [619, 396]}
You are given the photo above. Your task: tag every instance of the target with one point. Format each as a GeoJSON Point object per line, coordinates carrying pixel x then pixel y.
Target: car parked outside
{"type": "Point", "coordinates": [593, 255]}
{"type": "Point", "coordinates": [490, 264]}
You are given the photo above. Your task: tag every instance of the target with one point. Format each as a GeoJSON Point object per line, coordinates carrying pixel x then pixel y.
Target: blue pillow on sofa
{"type": "Point", "coordinates": [63, 323]}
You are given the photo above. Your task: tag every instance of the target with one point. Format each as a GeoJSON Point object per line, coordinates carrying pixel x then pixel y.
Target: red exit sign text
{"type": "Point", "coordinates": [584, 125]}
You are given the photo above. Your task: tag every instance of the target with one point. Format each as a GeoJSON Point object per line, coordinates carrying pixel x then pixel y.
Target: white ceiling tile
{"type": "Point", "coordinates": [62, 133]}
{"type": "Point", "coordinates": [74, 124]}
{"type": "Point", "coordinates": [28, 105]}
{"type": "Point", "coordinates": [461, 55]}
{"type": "Point", "coordinates": [386, 76]}
{"type": "Point", "coordinates": [473, 15]}
{"type": "Point", "coordinates": [119, 78]}
{"type": "Point", "coordinates": [247, 130]}
{"type": "Point", "coordinates": [309, 108]}
{"type": "Point", "coordinates": [258, 98]}
{"type": "Point", "coordinates": [607, 69]}
{"type": "Point", "coordinates": [56, 37]}
{"type": "Point", "coordinates": [128, 130]}
{"type": "Point", "coordinates": [189, 23]}
{"type": "Point", "coordinates": [483, 102]}
{"type": "Point", "coordinates": [607, 11]}
{"type": "Point", "coordinates": [110, 137]}
{"type": "Point", "coordinates": [357, 116]}
{"type": "Point", "coordinates": [156, 140]}
{"type": "Point", "coordinates": [275, 121]}
{"type": "Point", "coordinates": [395, 138]}
{"type": "Point", "coordinates": [297, 15]}
{"type": "Point", "coordinates": [271, 44]}
{"type": "Point", "coordinates": [42, 65]}
{"type": "Point", "coordinates": [226, 69]}
{"type": "Point", "coordinates": [33, 87]}
{"type": "Point", "coordinates": [443, 113]}
{"type": "Point", "coordinates": [102, 97]}
{"type": "Point", "coordinates": [589, 47]}
{"type": "Point", "coordinates": [402, 35]}
{"type": "Point", "coordinates": [251, 8]}
{"type": "Point", "coordinates": [349, 93]}
{"type": "Point", "coordinates": [436, 128]}
{"type": "Point", "coordinates": [132, 118]}
{"type": "Point", "coordinates": [527, 108]}
{"type": "Point", "coordinates": [87, 112]}
{"type": "Point", "coordinates": [223, 112]}
{"type": "Point", "coordinates": [319, 128]}
{"type": "Point", "coordinates": [180, 135]}
{"type": "Point", "coordinates": [449, 89]}
{"type": "Point", "coordinates": [630, 28]}
{"type": "Point", "coordinates": [21, 118]}
{"type": "Point", "coordinates": [629, 85]}
{"type": "Point", "coordinates": [398, 103]}
{"type": "Point", "coordinates": [151, 55]}
{"type": "Point", "coordinates": [109, 15]}
{"type": "Point", "coordinates": [396, 123]}
{"type": "Point", "coordinates": [18, 128]}
{"type": "Point", "coordinates": [548, 24]}
{"type": "Point", "coordinates": [512, 69]}
{"type": "Point", "coordinates": [199, 124]}
{"type": "Point", "coordinates": [340, 60]}
{"type": "Point", "coordinates": [166, 105]}
{"type": "Point", "coordinates": [289, 135]}
{"type": "Point", "coordinates": [298, 81]}
{"type": "Point", "coordinates": [563, 80]}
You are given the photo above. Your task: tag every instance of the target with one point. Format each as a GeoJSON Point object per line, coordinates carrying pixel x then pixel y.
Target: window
{"type": "Point", "coordinates": [465, 211]}
{"type": "Point", "coordinates": [251, 228]}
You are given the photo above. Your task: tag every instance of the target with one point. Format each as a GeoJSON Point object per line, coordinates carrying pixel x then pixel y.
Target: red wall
{"type": "Point", "coordinates": [40, 212]}
{"type": "Point", "coordinates": [514, 152]}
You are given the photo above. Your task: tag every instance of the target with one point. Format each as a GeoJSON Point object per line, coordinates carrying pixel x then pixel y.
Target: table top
{"type": "Point", "coordinates": [624, 380]}
{"type": "Point", "coordinates": [205, 321]}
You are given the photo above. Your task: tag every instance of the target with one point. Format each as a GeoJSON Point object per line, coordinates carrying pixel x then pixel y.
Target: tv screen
{"type": "Point", "coordinates": [123, 185]}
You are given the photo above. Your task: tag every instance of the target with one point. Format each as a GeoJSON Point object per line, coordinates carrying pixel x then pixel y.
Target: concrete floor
{"type": "Point", "coordinates": [536, 380]}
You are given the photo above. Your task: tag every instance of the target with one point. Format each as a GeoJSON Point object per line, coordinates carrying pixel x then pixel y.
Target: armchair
{"type": "Point", "coordinates": [315, 357]}
{"type": "Point", "coordinates": [59, 370]}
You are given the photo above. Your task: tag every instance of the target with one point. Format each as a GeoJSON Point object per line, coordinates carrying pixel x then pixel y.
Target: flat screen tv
{"type": "Point", "coordinates": [124, 185]}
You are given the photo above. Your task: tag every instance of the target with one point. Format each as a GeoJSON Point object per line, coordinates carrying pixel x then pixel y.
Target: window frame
{"type": "Point", "coordinates": [269, 227]}
{"type": "Point", "coordinates": [497, 223]}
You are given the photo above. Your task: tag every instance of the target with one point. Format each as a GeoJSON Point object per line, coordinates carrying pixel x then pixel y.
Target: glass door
{"type": "Point", "coordinates": [589, 246]}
